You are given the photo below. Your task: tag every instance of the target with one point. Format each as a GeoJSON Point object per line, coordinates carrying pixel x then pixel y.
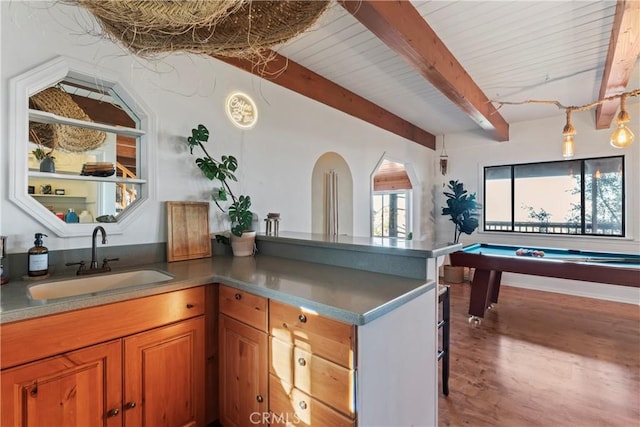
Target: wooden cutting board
{"type": "Point", "coordinates": [188, 231]}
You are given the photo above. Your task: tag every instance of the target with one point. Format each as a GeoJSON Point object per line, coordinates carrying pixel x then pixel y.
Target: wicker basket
{"type": "Point", "coordinates": [58, 136]}
{"type": "Point", "coordinates": [240, 28]}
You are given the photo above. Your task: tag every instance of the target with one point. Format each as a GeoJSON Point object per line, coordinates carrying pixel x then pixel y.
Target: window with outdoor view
{"type": "Point", "coordinates": [391, 200]}
{"type": "Point", "coordinates": [583, 197]}
{"type": "Point", "coordinates": [390, 214]}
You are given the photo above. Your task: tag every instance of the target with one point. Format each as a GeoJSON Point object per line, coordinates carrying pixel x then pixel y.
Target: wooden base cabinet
{"type": "Point", "coordinates": [289, 406]}
{"type": "Point", "coordinates": [74, 389]}
{"type": "Point", "coordinates": [312, 361]}
{"type": "Point", "coordinates": [164, 376]}
{"type": "Point", "coordinates": [308, 360]}
{"type": "Point", "coordinates": [243, 373]}
{"type": "Point", "coordinates": [243, 348]}
{"type": "Point", "coordinates": [144, 377]}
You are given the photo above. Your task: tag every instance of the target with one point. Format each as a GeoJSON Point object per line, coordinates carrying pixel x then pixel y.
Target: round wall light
{"type": "Point", "coordinates": [241, 110]}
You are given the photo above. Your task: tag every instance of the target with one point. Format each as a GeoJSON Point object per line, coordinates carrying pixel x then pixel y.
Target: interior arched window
{"type": "Point", "coordinates": [80, 155]}
{"type": "Point", "coordinates": [391, 199]}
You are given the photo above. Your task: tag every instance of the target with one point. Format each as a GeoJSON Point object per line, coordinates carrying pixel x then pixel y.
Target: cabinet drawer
{"type": "Point", "coordinates": [76, 329]}
{"type": "Point", "coordinates": [328, 338]}
{"type": "Point", "coordinates": [292, 407]}
{"type": "Point", "coordinates": [244, 306]}
{"type": "Point", "coordinates": [324, 380]}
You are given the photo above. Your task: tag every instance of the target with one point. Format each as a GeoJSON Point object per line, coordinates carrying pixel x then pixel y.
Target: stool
{"type": "Point", "coordinates": [443, 323]}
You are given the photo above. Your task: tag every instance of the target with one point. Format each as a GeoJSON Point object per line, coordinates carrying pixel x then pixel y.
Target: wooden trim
{"type": "Point", "coordinates": [286, 73]}
{"type": "Point", "coordinates": [401, 27]}
{"type": "Point", "coordinates": [624, 48]}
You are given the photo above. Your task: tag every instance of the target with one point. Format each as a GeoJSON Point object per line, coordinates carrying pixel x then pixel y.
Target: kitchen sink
{"type": "Point", "coordinates": [94, 284]}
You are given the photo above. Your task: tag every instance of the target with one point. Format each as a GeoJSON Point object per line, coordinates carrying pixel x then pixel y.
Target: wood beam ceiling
{"type": "Point", "coordinates": [291, 75]}
{"type": "Point", "coordinates": [401, 27]}
{"type": "Point", "coordinates": [624, 48]}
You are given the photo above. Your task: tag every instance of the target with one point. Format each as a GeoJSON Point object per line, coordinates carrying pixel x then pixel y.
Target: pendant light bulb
{"type": "Point", "coordinates": [568, 142]}
{"type": "Point", "coordinates": [622, 137]}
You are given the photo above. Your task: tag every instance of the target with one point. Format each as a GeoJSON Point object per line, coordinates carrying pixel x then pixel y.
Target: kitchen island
{"type": "Point", "coordinates": [395, 314]}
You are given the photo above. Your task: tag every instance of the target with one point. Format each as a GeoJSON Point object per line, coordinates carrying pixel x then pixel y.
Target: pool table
{"type": "Point", "coordinates": [490, 260]}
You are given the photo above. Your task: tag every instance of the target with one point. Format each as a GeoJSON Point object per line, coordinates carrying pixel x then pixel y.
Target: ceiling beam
{"type": "Point", "coordinates": [286, 73]}
{"type": "Point", "coordinates": [624, 48]}
{"type": "Point", "coordinates": [401, 27]}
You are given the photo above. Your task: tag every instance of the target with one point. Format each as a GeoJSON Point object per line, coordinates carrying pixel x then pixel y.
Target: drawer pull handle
{"type": "Point", "coordinates": [302, 362]}
{"type": "Point", "coordinates": [238, 296]}
{"type": "Point", "coordinates": [259, 398]}
{"type": "Point", "coordinates": [113, 413]}
{"type": "Point", "coordinates": [190, 306]}
{"type": "Point", "coordinates": [129, 405]}
{"type": "Point", "coordinates": [302, 404]}
{"type": "Point", "coordinates": [302, 318]}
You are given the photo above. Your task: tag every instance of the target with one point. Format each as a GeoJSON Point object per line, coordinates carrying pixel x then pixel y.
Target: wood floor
{"type": "Point", "coordinates": [543, 359]}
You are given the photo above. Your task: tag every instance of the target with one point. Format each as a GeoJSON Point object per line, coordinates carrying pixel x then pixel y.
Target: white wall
{"type": "Point", "coordinates": [276, 158]}
{"type": "Point", "coordinates": [539, 141]}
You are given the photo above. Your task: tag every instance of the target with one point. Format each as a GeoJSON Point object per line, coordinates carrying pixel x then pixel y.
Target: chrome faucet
{"type": "Point", "coordinates": [93, 267]}
{"type": "Point", "coordinates": [94, 261]}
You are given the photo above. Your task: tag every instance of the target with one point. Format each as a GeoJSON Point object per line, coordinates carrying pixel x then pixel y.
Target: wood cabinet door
{"type": "Point", "coordinates": [164, 376]}
{"type": "Point", "coordinates": [80, 388]}
{"type": "Point", "coordinates": [243, 374]}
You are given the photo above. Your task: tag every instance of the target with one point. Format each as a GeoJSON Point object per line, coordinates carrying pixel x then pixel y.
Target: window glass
{"type": "Point", "coordinates": [390, 214]}
{"type": "Point", "coordinates": [545, 198]}
{"type": "Point", "coordinates": [497, 194]}
{"type": "Point", "coordinates": [568, 197]}
{"type": "Point", "coordinates": [603, 196]}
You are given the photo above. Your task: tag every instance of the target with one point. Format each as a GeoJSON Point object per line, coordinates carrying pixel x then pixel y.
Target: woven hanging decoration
{"type": "Point", "coordinates": [235, 28]}
{"type": "Point", "coordinates": [63, 137]}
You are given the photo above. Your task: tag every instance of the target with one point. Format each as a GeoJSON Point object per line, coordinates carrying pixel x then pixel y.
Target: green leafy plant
{"type": "Point", "coordinates": [40, 154]}
{"type": "Point", "coordinates": [222, 171]}
{"type": "Point", "coordinates": [463, 208]}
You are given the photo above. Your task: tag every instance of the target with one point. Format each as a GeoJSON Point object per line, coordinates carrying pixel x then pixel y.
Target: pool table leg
{"type": "Point", "coordinates": [485, 288]}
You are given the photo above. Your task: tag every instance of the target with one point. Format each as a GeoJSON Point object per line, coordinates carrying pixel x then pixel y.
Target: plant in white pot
{"type": "Point", "coordinates": [463, 210]}
{"type": "Point", "coordinates": [242, 237]}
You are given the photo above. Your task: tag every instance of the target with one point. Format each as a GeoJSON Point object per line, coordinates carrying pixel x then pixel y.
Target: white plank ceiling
{"type": "Point", "coordinates": [514, 51]}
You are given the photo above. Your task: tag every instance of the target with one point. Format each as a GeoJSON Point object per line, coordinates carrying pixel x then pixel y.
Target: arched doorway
{"type": "Point", "coordinates": [331, 196]}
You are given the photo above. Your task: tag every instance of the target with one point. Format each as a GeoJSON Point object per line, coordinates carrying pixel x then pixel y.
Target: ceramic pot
{"type": "Point", "coordinates": [243, 245]}
{"type": "Point", "coordinates": [47, 165]}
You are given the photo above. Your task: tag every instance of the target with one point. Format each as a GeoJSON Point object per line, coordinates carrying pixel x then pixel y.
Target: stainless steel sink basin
{"type": "Point", "coordinates": [93, 284]}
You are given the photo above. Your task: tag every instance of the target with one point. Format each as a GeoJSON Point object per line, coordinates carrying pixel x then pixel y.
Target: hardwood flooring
{"type": "Point", "coordinates": [543, 359]}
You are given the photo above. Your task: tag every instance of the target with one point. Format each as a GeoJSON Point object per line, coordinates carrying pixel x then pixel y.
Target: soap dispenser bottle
{"type": "Point", "coordinates": [71, 216]}
{"type": "Point", "coordinates": [38, 258]}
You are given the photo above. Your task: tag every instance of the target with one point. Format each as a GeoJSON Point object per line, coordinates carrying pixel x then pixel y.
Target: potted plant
{"type": "Point", "coordinates": [242, 237]}
{"type": "Point", "coordinates": [462, 208]}
{"type": "Point", "coordinates": [46, 160]}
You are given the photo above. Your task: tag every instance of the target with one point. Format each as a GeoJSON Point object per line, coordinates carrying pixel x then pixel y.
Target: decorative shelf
{"type": "Point", "coordinates": [77, 177]}
{"type": "Point", "coordinates": [58, 196]}
{"type": "Point", "coordinates": [46, 117]}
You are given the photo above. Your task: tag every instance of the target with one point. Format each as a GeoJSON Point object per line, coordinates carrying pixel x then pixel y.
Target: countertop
{"type": "Point", "coordinates": [350, 295]}
{"type": "Point", "coordinates": [382, 245]}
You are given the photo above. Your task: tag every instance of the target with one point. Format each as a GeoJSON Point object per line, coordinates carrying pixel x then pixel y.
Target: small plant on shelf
{"type": "Point", "coordinates": [462, 208]}
{"type": "Point", "coordinates": [222, 171]}
{"type": "Point", "coordinates": [40, 154]}
{"type": "Point", "coordinates": [46, 159]}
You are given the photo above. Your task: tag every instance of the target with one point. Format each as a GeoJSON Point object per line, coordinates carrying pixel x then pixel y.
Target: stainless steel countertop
{"type": "Point", "coordinates": [349, 295]}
